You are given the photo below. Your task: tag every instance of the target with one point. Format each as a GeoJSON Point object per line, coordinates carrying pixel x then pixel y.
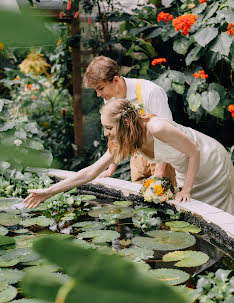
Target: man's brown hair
{"type": "Point", "coordinates": [100, 69]}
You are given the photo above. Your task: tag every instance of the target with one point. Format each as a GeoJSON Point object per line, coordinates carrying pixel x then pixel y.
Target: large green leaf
{"type": "Point", "coordinates": [212, 58]}
{"type": "Point", "coordinates": [165, 240]}
{"type": "Point", "coordinates": [205, 35]}
{"type": "Point", "coordinates": [3, 231]}
{"type": "Point", "coordinates": [8, 219]}
{"type": "Point", "coordinates": [193, 55]}
{"type": "Point", "coordinates": [97, 277]}
{"type": "Point", "coordinates": [182, 44]}
{"type": "Point", "coordinates": [199, 8]}
{"type": "Point", "coordinates": [178, 87]}
{"type": "Point", "coordinates": [31, 30]}
{"type": "Point", "coordinates": [12, 276]}
{"type": "Point", "coordinates": [137, 253]}
{"type": "Point", "coordinates": [189, 258]}
{"type": "Point", "coordinates": [218, 111]}
{"type": "Point", "coordinates": [40, 221]}
{"type": "Point", "coordinates": [169, 275]}
{"type": "Point", "coordinates": [227, 14]}
{"type": "Point", "coordinates": [100, 236]}
{"type": "Point", "coordinates": [211, 10]}
{"type": "Point", "coordinates": [116, 211]}
{"type": "Point", "coordinates": [194, 101]}
{"type": "Point", "coordinates": [210, 99]}
{"type": "Point", "coordinates": [89, 225]}
{"type": "Point", "coordinates": [222, 44]}
{"type": "Point", "coordinates": [8, 294]}
{"type": "Point", "coordinates": [4, 166]}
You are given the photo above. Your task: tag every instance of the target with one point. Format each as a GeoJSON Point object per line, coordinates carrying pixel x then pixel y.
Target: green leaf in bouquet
{"type": "Point", "coordinates": [116, 211]}
{"type": "Point", "coordinates": [99, 236]}
{"type": "Point", "coordinates": [165, 240]}
{"type": "Point", "coordinates": [87, 225]}
{"type": "Point", "coordinates": [169, 275]}
{"type": "Point", "coordinates": [188, 258]}
{"type": "Point", "coordinates": [123, 203]}
{"type": "Point", "coordinates": [137, 253]}
{"type": "Point", "coordinates": [12, 276]}
{"type": "Point", "coordinates": [210, 99]}
{"type": "Point", "coordinates": [3, 231]}
{"type": "Point", "coordinates": [40, 221]}
{"type": "Point", "coordinates": [194, 101]}
{"type": "Point", "coordinates": [4, 240]}
{"type": "Point", "coordinates": [178, 87]}
{"type": "Point", "coordinates": [205, 35]}
{"type": "Point", "coordinates": [222, 44]}
{"type": "Point", "coordinates": [97, 277]}
{"type": "Point", "coordinates": [8, 294]}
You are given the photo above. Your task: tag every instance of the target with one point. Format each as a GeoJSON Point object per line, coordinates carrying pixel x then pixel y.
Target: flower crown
{"type": "Point", "coordinates": [127, 109]}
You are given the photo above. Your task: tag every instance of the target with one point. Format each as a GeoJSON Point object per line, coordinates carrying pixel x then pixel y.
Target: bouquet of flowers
{"type": "Point", "coordinates": [157, 189]}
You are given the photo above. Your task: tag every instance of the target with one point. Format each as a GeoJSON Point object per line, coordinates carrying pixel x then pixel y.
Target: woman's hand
{"type": "Point", "coordinates": [182, 196]}
{"type": "Point", "coordinates": [36, 197]}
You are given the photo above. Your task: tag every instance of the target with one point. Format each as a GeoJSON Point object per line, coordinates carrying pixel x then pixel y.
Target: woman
{"type": "Point", "coordinates": [203, 167]}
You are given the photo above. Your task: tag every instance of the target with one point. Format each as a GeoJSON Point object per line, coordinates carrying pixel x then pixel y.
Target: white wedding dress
{"type": "Point", "coordinates": [214, 181]}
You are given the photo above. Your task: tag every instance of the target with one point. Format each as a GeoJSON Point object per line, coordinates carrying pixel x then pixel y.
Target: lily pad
{"type": "Point", "coordinates": [8, 203]}
{"type": "Point", "coordinates": [137, 253]}
{"type": "Point", "coordinates": [189, 229]}
{"type": "Point", "coordinates": [165, 240]}
{"type": "Point", "coordinates": [40, 221]}
{"type": "Point", "coordinates": [84, 243]}
{"type": "Point", "coordinates": [116, 211]}
{"type": "Point", "coordinates": [89, 225]}
{"type": "Point", "coordinates": [177, 224]}
{"type": "Point", "coordinates": [21, 231]}
{"type": "Point", "coordinates": [169, 275]}
{"type": "Point", "coordinates": [100, 236]}
{"type": "Point", "coordinates": [123, 203]}
{"type": "Point", "coordinates": [86, 197]}
{"type": "Point", "coordinates": [4, 240]}
{"type": "Point", "coordinates": [188, 258]}
{"type": "Point", "coordinates": [9, 219]}
{"type": "Point", "coordinates": [8, 294]}
{"type": "Point", "coordinates": [25, 240]}
{"type": "Point", "coordinates": [3, 231]}
{"type": "Point", "coordinates": [12, 276]}
{"type": "Point", "coordinates": [11, 254]}
{"type": "Point", "coordinates": [3, 284]}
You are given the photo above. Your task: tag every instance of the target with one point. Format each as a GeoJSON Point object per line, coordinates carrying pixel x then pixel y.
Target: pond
{"type": "Point", "coordinates": [163, 244]}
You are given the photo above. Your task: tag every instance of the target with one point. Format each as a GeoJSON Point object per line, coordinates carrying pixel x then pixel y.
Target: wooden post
{"type": "Point", "coordinates": [76, 83]}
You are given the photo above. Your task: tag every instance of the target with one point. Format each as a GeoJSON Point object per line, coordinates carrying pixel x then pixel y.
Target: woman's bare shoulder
{"type": "Point", "coordinates": [157, 125]}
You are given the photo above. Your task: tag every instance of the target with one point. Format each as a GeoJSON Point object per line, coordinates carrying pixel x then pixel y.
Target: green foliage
{"type": "Point", "coordinates": [215, 287]}
{"type": "Point", "coordinates": [188, 258]}
{"type": "Point", "coordinates": [170, 276]}
{"type": "Point", "coordinates": [92, 278]}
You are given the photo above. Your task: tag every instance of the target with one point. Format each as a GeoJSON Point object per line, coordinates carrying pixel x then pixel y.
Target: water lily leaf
{"type": "Point", "coordinates": [117, 212]}
{"type": "Point", "coordinates": [4, 240]}
{"type": "Point", "coordinates": [189, 258]}
{"type": "Point", "coordinates": [8, 294]}
{"type": "Point", "coordinates": [12, 276]}
{"type": "Point", "coordinates": [165, 240]}
{"type": "Point", "coordinates": [87, 225]}
{"type": "Point", "coordinates": [3, 284]}
{"type": "Point", "coordinates": [123, 203]}
{"type": "Point", "coordinates": [8, 203]}
{"type": "Point", "coordinates": [137, 253]}
{"type": "Point", "coordinates": [21, 231]}
{"type": "Point", "coordinates": [169, 275]}
{"type": "Point", "coordinates": [188, 229]}
{"type": "Point", "coordinates": [11, 254]}
{"type": "Point", "coordinates": [10, 263]}
{"type": "Point", "coordinates": [26, 240]}
{"type": "Point", "coordinates": [9, 219]}
{"type": "Point", "coordinates": [87, 197]}
{"type": "Point", "coordinates": [40, 221]}
{"type": "Point", "coordinates": [3, 230]}
{"type": "Point", "coordinates": [100, 236]}
{"type": "Point", "coordinates": [177, 224]}
{"type": "Point", "coordinates": [84, 243]}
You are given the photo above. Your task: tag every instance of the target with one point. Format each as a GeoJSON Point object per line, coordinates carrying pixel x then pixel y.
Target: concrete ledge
{"type": "Point", "coordinates": [217, 224]}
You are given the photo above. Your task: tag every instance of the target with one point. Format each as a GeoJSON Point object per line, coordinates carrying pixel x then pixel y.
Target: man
{"type": "Point", "coordinates": [103, 75]}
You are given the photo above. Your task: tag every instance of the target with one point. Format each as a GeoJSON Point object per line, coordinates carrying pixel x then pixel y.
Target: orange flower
{"type": "Point", "coordinates": [184, 23]}
{"type": "Point", "coordinates": [231, 109]}
{"type": "Point", "coordinates": [33, 97]}
{"type": "Point", "coordinates": [89, 20]}
{"type": "Point", "coordinates": [230, 29]}
{"type": "Point", "coordinates": [202, 1]}
{"type": "Point", "coordinates": [158, 190]}
{"type": "Point", "coordinates": [60, 15]}
{"type": "Point", "coordinates": [200, 74]}
{"type": "Point", "coordinates": [147, 183]}
{"type": "Point", "coordinates": [76, 15]}
{"type": "Point", "coordinates": [164, 17]}
{"type": "Point", "coordinates": [158, 61]}
{"type": "Point", "coordinates": [29, 86]}
{"type": "Point", "coordinates": [1, 46]}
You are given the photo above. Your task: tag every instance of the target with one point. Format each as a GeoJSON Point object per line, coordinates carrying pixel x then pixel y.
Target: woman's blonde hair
{"type": "Point", "coordinates": [130, 128]}
{"type": "Point", "coordinates": [100, 69]}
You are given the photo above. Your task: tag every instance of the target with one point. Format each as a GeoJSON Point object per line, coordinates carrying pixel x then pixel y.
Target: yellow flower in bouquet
{"type": "Point", "coordinates": [157, 189]}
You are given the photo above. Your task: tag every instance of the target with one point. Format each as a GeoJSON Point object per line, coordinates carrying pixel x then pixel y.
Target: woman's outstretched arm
{"type": "Point", "coordinates": [166, 132]}
{"type": "Point", "coordinates": [81, 177]}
